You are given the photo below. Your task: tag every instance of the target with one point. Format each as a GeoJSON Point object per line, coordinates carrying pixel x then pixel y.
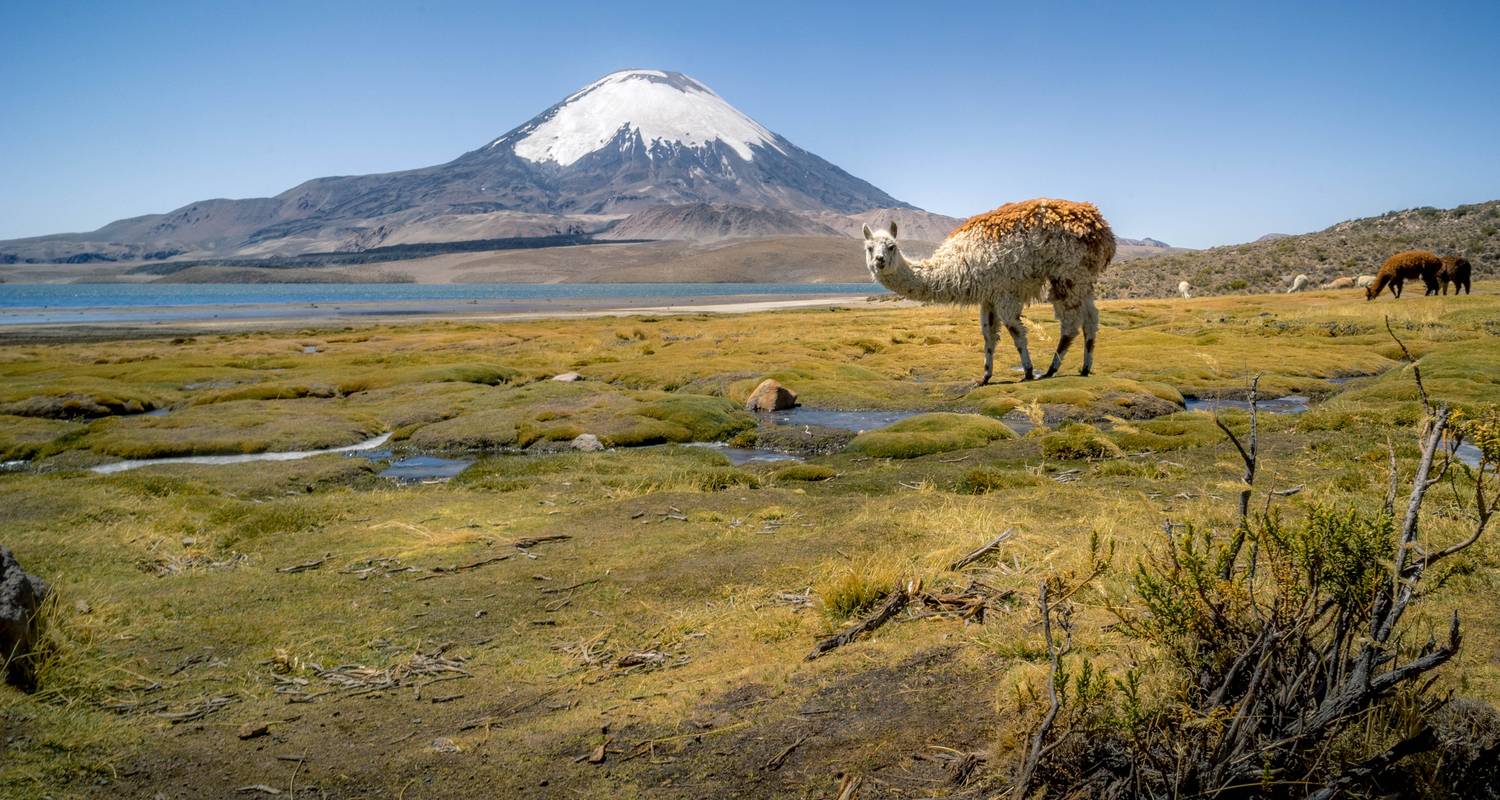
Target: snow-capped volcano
{"type": "Point", "coordinates": [630, 141]}
{"type": "Point", "coordinates": [645, 106]}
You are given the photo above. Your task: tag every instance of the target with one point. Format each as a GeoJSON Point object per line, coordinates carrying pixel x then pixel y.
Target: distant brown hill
{"type": "Point", "coordinates": [1349, 248]}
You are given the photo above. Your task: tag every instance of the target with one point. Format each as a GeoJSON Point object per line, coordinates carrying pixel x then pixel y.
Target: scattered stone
{"type": "Point", "coordinates": [587, 443]}
{"type": "Point", "coordinates": [83, 607]}
{"type": "Point", "coordinates": [568, 377]}
{"type": "Point", "coordinates": [251, 730]}
{"type": "Point", "coordinates": [770, 395]}
{"type": "Point", "coordinates": [188, 541]}
{"type": "Point", "coordinates": [21, 596]}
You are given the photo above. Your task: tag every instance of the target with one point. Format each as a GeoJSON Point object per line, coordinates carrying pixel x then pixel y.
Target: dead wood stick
{"type": "Point", "coordinates": [981, 551]}
{"type": "Point", "coordinates": [882, 615]}
{"type": "Point", "coordinates": [780, 758]}
{"type": "Point", "coordinates": [306, 565]}
{"type": "Point", "coordinates": [440, 571]}
{"type": "Point", "coordinates": [522, 544]}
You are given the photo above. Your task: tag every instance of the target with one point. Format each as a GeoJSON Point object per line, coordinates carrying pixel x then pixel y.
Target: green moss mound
{"type": "Point", "coordinates": [1077, 441]}
{"type": "Point", "coordinates": [926, 434]}
{"type": "Point", "coordinates": [983, 480]}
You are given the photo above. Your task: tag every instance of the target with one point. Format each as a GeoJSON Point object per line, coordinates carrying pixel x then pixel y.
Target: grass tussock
{"type": "Point", "coordinates": [925, 434]}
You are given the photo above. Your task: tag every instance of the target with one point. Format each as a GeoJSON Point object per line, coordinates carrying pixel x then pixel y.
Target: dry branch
{"type": "Point", "coordinates": [981, 551]}
{"type": "Point", "coordinates": [890, 608]}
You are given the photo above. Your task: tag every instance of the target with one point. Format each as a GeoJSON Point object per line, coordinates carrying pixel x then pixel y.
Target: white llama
{"type": "Point", "coordinates": [1004, 259]}
{"type": "Point", "coordinates": [1298, 284]}
{"type": "Point", "coordinates": [1185, 290]}
{"type": "Point", "coordinates": [1364, 280]}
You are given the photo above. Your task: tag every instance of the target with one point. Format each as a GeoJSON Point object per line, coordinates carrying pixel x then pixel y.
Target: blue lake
{"type": "Point", "coordinates": [23, 304]}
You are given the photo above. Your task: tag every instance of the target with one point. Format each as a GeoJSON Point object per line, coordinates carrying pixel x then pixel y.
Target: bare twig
{"type": "Point", "coordinates": [882, 615]}
{"type": "Point", "coordinates": [1416, 371]}
{"type": "Point", "coordinates": [1251, 457]}
{"type": "Point", "coordinates": [981, 551]}
{"type": "Point", "coordinates": [1034, 756]}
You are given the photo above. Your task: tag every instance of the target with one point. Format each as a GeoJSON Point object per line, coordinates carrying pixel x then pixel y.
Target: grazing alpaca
{"type": "Point", "coordinates": [1455, 270]}
{"type": "Point", "coordinates": [1402, 267]}
{"type": "Point", "coordinates": [1298, 284]}
{"type": "Point", "coordinates": [1339, 283]}
{"type": "Point", "coordinates": [1364, 280]}
{"type": "Point", "coordinates": [1185, 290]}
{"type": "Point", "coordinates": [1004, 259]}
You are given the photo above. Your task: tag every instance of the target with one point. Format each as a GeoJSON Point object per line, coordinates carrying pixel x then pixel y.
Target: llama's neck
{"type": "Point", "coordinates": [911, 280]}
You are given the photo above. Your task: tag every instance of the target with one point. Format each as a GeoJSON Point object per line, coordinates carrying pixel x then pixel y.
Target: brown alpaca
{"type": "Point", "coordinates": [1455, 270]}
{"type": "Point", "coordinates": [1402, 267]}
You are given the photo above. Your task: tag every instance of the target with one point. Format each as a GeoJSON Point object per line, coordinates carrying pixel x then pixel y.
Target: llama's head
{"type": "Point", "coordinates": [1370, 292]}
{"type": "Point", "coordinates": [880, 250]}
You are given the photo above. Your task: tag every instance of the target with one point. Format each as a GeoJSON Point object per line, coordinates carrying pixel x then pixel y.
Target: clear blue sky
{"type": "Point", "coordinates": [1196, 126]}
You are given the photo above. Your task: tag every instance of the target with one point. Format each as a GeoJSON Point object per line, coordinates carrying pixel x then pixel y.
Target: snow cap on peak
{"type": "Point", "coordinates": [660, 106]}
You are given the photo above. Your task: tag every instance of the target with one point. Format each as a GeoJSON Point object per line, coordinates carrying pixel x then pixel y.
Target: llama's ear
{"type": "Point", "coordinates": [868, 234]}
{"type": "Point", "coordinates": [893, 229]}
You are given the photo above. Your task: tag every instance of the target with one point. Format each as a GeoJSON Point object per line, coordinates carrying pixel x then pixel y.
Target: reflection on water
{"type": "Point", "coordinates": [846, 420]}
{"type": "Point", "coordinates": [746, 455]}
{"type": "Point", "coordinates": [1291, 404]}
{"type": "Point", "coordinates": [425, 468]}
{"type": "Point", "coordinates": [241, 458]}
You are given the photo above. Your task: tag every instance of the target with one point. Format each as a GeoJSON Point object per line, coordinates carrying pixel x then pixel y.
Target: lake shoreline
{"type": "Point", "coordinates": [197, 320]}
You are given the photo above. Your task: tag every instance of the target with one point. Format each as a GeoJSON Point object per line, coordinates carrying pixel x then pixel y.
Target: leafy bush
{"type": "Point", "coordinates": [1290, 671]}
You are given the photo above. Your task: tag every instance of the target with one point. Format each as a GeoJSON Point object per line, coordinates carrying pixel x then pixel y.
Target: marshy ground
{"type": "Point", "coordinates": [633, 622]}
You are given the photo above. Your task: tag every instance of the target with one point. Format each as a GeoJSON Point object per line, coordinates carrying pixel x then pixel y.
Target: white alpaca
{"type": "Point", "coordinates": [1004, 259]}
{"type": "Point", "coordinates": [1364, 280]}
{"type": "Point", "coordinates": [1185, 290]}
{"type": "Point", "coordinates": [1298, 284]}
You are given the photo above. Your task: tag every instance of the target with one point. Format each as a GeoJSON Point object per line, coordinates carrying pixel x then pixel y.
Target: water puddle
{"type": "Point", "coordinates": [242, 458]}
{"type": "Point", "coordinates": [421, 469]}
{"type": "Point", "coordinates": [746, 455]}
{"type": "Point", "coordinates": [1291, 404]}
{"type": "Point", "coordinates": [856, 421]}
{"type": "Point", "coordinates": [1467, 453]}
{"type": "Point", "coordinates": [1021, 425]}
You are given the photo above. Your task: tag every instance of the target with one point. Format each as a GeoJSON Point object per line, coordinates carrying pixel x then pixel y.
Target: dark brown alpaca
{"type": "Point", "coordinates": [1455, 270]}
{"type": "Point", "coordinates": [1402, 267]}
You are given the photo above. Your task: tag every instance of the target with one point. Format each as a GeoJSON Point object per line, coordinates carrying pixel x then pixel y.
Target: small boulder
{"type": "Point", "coordinates": [587, 443]}
{"type": "Point", "coordinates": [253, 730]}
{"type": "Point", "coordinates": [770, 395]}
{"type": "Point", "coordinates": [21, 597]}
{"type": "Point", "coordinates": [567, 377]}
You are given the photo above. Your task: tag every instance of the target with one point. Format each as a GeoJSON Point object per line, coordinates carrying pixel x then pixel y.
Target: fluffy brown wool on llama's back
{"type": "Point", "coordinates": [1080, 219]}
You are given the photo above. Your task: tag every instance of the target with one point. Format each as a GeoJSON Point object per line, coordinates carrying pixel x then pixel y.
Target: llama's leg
{"type": "Point", "coordinates": [1090, 333]}
{"type": "Point", "coordinates": [987, 327]}
{"type": "Point", "coordinates": [1069, 320]}
{"type": "Point", "coordinates": [1008, 311]}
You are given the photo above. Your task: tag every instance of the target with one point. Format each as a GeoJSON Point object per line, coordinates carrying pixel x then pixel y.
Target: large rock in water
{"type": "Point", "coordinates": [587, 443]}
{"type": "Point", "coordinates": [770, 395]}
{"type": "Point", "coordinates": [21, 597]}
